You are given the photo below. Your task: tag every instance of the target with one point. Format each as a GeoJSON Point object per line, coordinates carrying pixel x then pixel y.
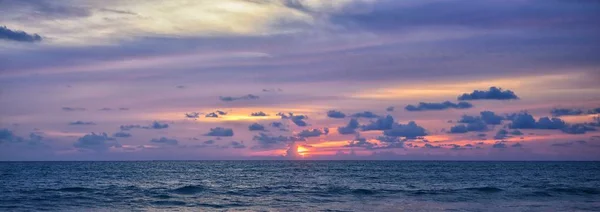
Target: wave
{"type": "Point", "coordinates": [190, 189]}
{"type": "Point", "coordinates": [575, 190]}
{"type": "Point", "coordinates": [74, 189]}
{"type": "Point", "coordinates": [486, 189]}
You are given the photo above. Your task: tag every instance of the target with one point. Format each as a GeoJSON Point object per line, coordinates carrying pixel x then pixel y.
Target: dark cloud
{"type": "Point", "coordinates": [209, 142]}
{"type": "Point", "coordinates": [383, 123]}
{"type": "Point", "coordinates": [430, 146]}
{"type": "Point", "coordinates": [277, 124]}
{"type": "Point", "coordinates": [122, 135]}
{"type": "Point", "coordinates": [470, 124]}
{"type": "Point", "coordinates": [493, 93]}
{"type": "Point", "coordinates": [82, 123]}
{"type": "Point", "coordinates": [569, 144]}
{"type": "Point", "coordinates": [594, 111]}
{"type": "Point", "coordinates": [410, 130]}
{"type": "Point", "coordinates": [577, 129]}
{"type": "Point", "coordinates": [550, 123]}
{"type": "Point", "coordinates": [97, 142]}
{"type": "Point", "coordinates": [180, 86]}
{"type": "Point", "coordinates": [212, 115]}
{"type": "Point", "coordinates": [296, 119]}
{"type": "Point", "coordinates": [502, 134]}
{"type": "Point", "coordinates": [490, 117]}
{"type": "Point", "coordinates": [391, 142]}
{"type": "Point", "coordinates": [517, 145]}
{"type": "Point", "coordinates": [422, 106]}
{"type": "Point", "coordinates": [335, 114]}
{"type": "Point", "coordinates": [365, 114]}
{"type": "Point", "coordinates": [158, 125]}
{"type": "Point", "coordinates": [389, 109]}
{"type": "Point", "coordinates": [350, 128]}
{"type": "Point", "coordinates": [164, 140]}
{"type": "Point", "coordinates": [259, 113]}
{"type": "Point", "coordinates": [220, 131]}
{"type": "Point", "coordinates": [266, 141]}
{"type": "Point", "coordinates": [246, 97]}
{"type": "Point", "coordinates": [154, 125]}
{"type": "Point", "coordinates": [556, 112]}
{"type": "Point", "coordinates": [272, 90]}
{"type": "Point", "coordinates": [192, 115]}
{"type": "Point", "coordinates": [256, 127]}
{"type": "Point", "coordinates": [311, 133]}
{"type": "Point", "coordinates": [499, 145]}
{"type": "Point", "coordinates": [525, 120]}
{"type": "Point", "coordinates": [8, 136]}
{"type": "Point", "coordinates": [237, 145]}
{"type": "Point", "coordinates": [19, 36]}
{"type": "Point", "coordinates": [360, 142]}
{"type": "Point", "coordinates": [105, 109]}
{"type": "Point", "coordinates": [71, 109]}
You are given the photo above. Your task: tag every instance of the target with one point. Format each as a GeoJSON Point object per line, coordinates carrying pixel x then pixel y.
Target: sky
{"type": "Point", "coordinates": [300, 80]}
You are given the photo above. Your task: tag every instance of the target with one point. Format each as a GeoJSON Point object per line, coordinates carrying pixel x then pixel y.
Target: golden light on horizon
{"type": "Point", "coordinates": [302, 151]}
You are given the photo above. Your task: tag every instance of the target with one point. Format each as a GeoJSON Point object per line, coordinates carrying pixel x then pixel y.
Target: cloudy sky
{"type": "Point", "coordinates": [300, 79]}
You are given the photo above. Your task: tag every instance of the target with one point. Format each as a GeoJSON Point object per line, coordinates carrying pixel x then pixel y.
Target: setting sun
{"type": "Point", "coordinates": [302, 150]}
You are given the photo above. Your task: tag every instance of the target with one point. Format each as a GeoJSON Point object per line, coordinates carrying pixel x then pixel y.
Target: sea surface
{"type": "Point", "coordinates": [299, 186]}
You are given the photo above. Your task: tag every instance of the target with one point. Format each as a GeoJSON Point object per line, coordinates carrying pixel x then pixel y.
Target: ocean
{"type": "Point", "coordinates": [299, 186]}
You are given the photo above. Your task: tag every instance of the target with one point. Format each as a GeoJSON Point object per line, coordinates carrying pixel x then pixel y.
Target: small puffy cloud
{"type": "Point", "coordinates": [164, 140]}
{"type": "Point", "coordinates": [277, 124]}
{"type": "Point", "coordinates": [594, 111]}
{"type": "Point", "coordinates": [423, 106]}
{"type": "Point", "coordinates": [158, 125]}
{"type": "Point", "coordinates": [350, 128]}
{"type": "Point", "coordinates": [154, 125]}
{"type": "Point", "coordinates": [17, 35]}
{"type": "Point", "coordinates": [365, 114]}
{"type": "Point", "coordinates": [383, 123]}
{"type": "Point", "coordinates": [246, 97]}
{"type": "Point", "coordinates": [556, 112]}
{"type": "Point", "coordinates": [267, 141]}
{"type": "Point", "coordinates": [8, 136]}
{"type": "Point", "coordinates": [577, 129]}
{"type": "Point", "coordinates": [335, 114]}
{"type": "Point", "coordinates": [97, 142]}
{"type": "Point", "coordinates": [499, 145]}
{"type": "Point", "coordinates": [122, 135]}
{"type": "Point", "coordinates": [82, 123]}
{"type": "Point", "coordinates": [129, 127]}
{"type": "Point", "coordinates": [259, 113]}
{"type": "Point", "coordinates": [296, 119]}
{"type": "Point", "coordinates": [517, 145]}
{"type": "Point", "coordinates": [493, 93]}
{"type": "Point", "coordinates": [192, 115]}
{"type": "Point", "coordinates": [237, 145]}
{"type": "Point", "coordinates": [72, 109]}
{"type": "Point", "coordinates": [212, 115]}
{"type": "Point", "coordinates": [391, 142]}
{"type": "Point", "coordinates": [311, 133]}
{"type": "Point", "coordinates": [209, 142]}
{"type": "Point", "coordinates": [256, 127]}
{"type": "Point", "coordinates": [389, 109]}
{"type": "Point", "coordinates": [105, 109]}
{"type": "Point", "coordinates": [123, 108]}
{"type": "Point", "coordinates": [410, 130]}
{"type": "Point", "coordinates": [430, 146]}
{"type": "Point", "coordinates": [220, 131]}
{"type": "Point", "coordinates": [502, 134]}
{"type": "Point", "coordinates": [569, 144]}
{"type": "Point", "coordinates": [360, 142]}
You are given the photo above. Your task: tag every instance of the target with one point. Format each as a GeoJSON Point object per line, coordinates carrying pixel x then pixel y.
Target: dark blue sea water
{"type": "Point", "coordinates": [299, 186]}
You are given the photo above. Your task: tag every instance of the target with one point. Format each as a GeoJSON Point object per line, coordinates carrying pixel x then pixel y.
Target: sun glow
{"type": "Point", "coordinates": [302, 151]}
